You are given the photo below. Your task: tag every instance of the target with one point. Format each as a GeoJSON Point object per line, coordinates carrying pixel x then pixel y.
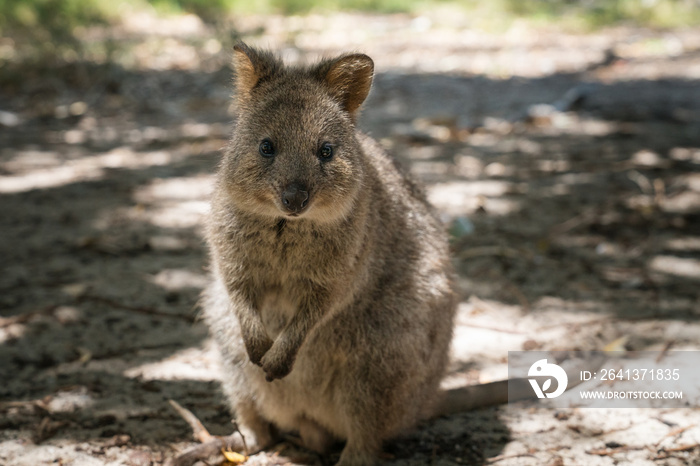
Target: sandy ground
{"type": "Point", "coordinates": [567, 168]}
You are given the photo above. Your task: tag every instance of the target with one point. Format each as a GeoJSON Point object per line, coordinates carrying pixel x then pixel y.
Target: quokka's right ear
{"type": "Point", "coordinates": [251, 67]}
{"type": "Point", "coordinates": [348, 78]}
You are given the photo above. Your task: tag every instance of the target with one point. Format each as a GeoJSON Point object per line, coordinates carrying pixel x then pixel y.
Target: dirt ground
{"type": "Point", "coordinates": [567, 168]}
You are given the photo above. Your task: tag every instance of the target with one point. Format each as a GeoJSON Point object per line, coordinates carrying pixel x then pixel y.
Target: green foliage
{"type": "Point", "coordinates": [211, 10]}
{"type": "Point", "coordinates": [380, 6]}
{"type": "Point", "coordinates": [600, 13]}
{"type": "Point", "coordinates": [57, 19]}
{"type": "Point", "coordinates": [208, 10]}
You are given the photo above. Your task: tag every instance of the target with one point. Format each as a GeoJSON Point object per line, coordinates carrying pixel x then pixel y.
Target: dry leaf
{"type": "Point", "coordinates": [233, 457]}
{"type": "Point", "coordinates": [616, 345]}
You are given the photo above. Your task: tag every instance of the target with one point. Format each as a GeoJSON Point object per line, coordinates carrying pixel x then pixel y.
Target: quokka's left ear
{"type": "Point", "coordinates": [348, 78]}
{"type": "Point", "coordinates": [251, 66]}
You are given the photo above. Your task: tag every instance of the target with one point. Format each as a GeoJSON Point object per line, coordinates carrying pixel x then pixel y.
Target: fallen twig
{"type": "Point", "coordinates": [687, 447]}
{"type": "Point", "coordinates": [520, 296]}
{"type": "Point", "coordinates": [46, 429]}
{"type": "Point", "coordinates": [139, 309]}
{"type": "Point", "coordinates": [600, 320]}
{"type": "Point", "coordinates": [664, 351]}
{"type": "Point", "coordinates": [211, 444]}
{"type": "Point", "coordinates": [490, 251]}
{"type": "Point", "coordinates": [498, 458]}
{"type": "Point", "coordinates": [586, 217]}
{"type": "Point", "coordinates": [22, 318]}
{"type": "Point", "coordinates": [198, 430]}
{"type": "Point", "coordinates": [492, 328]}
{"type": "Point", "coordinates": [613, 451]}
{"type": "Point", "coordinates": [675, 432]}
{"type": "Point", "coordinates": [666, 452]}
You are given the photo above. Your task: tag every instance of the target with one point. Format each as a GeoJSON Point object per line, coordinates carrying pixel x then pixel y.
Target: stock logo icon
{"type": "Point", "coordinates": [543, 369]}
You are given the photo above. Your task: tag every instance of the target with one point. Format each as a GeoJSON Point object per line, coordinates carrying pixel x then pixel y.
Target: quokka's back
{"type": "Point", "coordinates": [331, 297]}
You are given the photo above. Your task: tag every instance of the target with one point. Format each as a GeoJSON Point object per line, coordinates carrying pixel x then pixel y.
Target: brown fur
{"type": "Point", "coordinates": [334, 322]}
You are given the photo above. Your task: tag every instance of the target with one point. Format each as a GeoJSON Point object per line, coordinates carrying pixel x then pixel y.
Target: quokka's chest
{"type": "Point", "coordinates": [287, 251]}
{"type": "Point", "coordinates": [276, 310]}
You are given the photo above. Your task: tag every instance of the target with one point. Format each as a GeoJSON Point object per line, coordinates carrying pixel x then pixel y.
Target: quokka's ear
{"type": "Point", "coordinates": [348, 78]}
{"type": "Point", "coordinates": [251, 67]}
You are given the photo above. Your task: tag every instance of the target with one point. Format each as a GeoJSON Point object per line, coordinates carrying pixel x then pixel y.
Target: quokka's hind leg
{"type": "Point", "coordinates": [365, 434]}
{"type": "Point", "coordinates": [314, 436]}
{"type": "Point", "coordinates": [258, 433]}
{"type": "Point", "coordinates": [361, 449]}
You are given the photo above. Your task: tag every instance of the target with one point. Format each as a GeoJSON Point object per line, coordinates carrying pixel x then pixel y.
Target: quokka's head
{"type": "Point", "coordinates": [294, 153]}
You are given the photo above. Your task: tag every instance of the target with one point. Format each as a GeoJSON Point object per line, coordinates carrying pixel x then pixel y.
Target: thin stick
{"type": "Point", "coordinates": [490, 327]}
{"type": "Point", "coordinates": [674, 433]}
{"type": "Point", "coordinates": [210, 444]}
{"type": "Point", "coordinates": [198, 430]}
{"type": "Point", "coordinates": [22, 318]}
{"type": "Point", "coordinates": [614, 451]}
{"type": "Point", "coordinates": [490, 251]}
{"type": "Point", "coordinates": [245, 446]}
{"type": "Point", "coordinates": [663, 352]}
{"type": "Point", "coordinates": [140, 309]}
{"type": "Point", "coordinates": [496, 459]}
{"type": "Point", "coordinates": [687, 447]}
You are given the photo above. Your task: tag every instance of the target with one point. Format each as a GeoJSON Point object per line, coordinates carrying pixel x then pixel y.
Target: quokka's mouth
{"type": "Point", "coordinates": [295, 214]}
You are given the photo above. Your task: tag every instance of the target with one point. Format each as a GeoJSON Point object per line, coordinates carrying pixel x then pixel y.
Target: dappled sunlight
{"type": "Point", "coordinates": [686, 243]}
{"type": "Point", "coordinates": [684, 195]}
{"type": "Point", "coordinates": [177, 279]}
{"type": "Point", "coordinates": [211, 136]}
{"type": "Point", "coordinates": [149, 23]}
{"type": "Point", "coordinates": [560, 123]}
{"type": "Point", "coordinates": [691, 181]}
{"type": "Point", "coordinates": [170, 203]}
{"type": "Point", "coordinates": [176, 202]}
{"type": "Point", "coordinates": [169, 243]}
{"type": "Point", "coordinates": [51, 177]}
{"type": "Point", "coordinates": [583, 241]}
{"type": "Point", "coordinates": [682, 203]}
{"type": "Point", "coordinates": [180, 215]}
{"type": "Point", "coordinates": [197, 187]}
{"type": "Point", "coordinates": [126, 157]}
{"type": "Point", "coordinates": [551, 308]}
{"type": "Point", "coordinates": [23, 160]}
{"type": "Point", "coordinates": [10, 331]}
{"type": "Point", "coordinates": [626, 277]}
{"type": "Point", "coordinates": [583, 432]}
{"type": "Point", "coordinates": [485, 330]}
{"type": "Point", "coordinates": [19, 326]}
{"type": "Point", "coordinates": [465, 197]}
{"type": "Point", "coordinates": [199, 363]}
{"type": "Point", "coordinates": [32, 170]}
{"type": "Point", "coordinates": [168, 215]}
{"type": "Point", "coordinates": [685, 154]}
{"type": "Point", "coordinates": [70, 399]}
{"type": "Point", "coordinates": [677, 266]}
{"type": "Point", "coordinates": [677, 195]}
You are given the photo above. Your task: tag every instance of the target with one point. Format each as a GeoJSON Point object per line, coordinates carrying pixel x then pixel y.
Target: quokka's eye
{"type": "Point", "coordinates": [266, 148]}
{"type": "Point", "coordinates": [326, 151]}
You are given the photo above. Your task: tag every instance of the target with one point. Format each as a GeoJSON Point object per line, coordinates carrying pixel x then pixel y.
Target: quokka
{"type": "Point", "coordinates": [331, 297]}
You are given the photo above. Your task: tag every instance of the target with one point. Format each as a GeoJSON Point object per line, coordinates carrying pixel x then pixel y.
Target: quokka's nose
{"type": "Point", "coordinates": [295, 198]}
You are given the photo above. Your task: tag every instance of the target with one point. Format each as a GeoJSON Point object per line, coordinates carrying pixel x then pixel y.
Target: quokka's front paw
{"type": "Point", "coordinates": [277, 363]}
{"type": "Point", "coordinates": [257, 348]}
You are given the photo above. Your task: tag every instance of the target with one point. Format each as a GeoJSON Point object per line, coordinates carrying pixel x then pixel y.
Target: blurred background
{"type": "Point", "coordinates": [559, 141]}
